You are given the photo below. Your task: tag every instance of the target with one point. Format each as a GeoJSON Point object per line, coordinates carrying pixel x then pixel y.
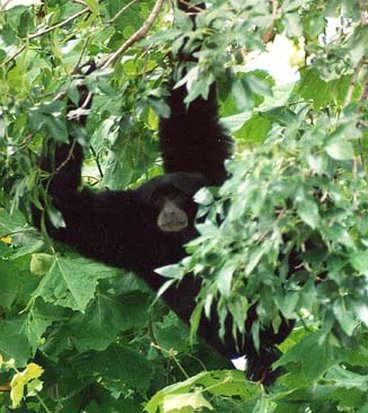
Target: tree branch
{"type": "Point", "coordinates": [13, 56]}
{"type": "Point", "coordinates": [363, 12]}
{"type": "Point", "coordinates": [138, 35]}
{"type": "Point", "coordinates": [190, 6]}
{"type": "Point", "coordinates": [61, 24]}
{"type": "Point", "coordinates": [269, 34]}
{"type": "Point", "coordinates": [354, 80]}
{"type": "Point", "coordinates": [122, 11]}
{"type": "Point", "coordinates": [43, 32]}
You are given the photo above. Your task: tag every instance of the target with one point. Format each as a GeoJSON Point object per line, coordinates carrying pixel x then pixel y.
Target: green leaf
{"type": "Point", "coordinates": [225, 277]}
{"type": "Point", "coordinates": [14, 341]}
{"type": "Point", "coordinates": [40, 317]}
{"type": "Point", "coordinates": [321, 93]}
{"type": "Point", "coordinates": [119, 363]}
{"type": "Point", "coordinates": [363, 409]}
{"type": "Point", "coordinates": [72, 282]}
{"type": "Point", "coordinates": [57, 128]}
{"type": "Point", "coordinates": [10, 222]}
{"type": "Point", "coordinates": [93, 6]}
{"type": "Point", "coordinates": [288, 303]}
{"type": "Point", "coordinates": [182, 20]}
{"type": "Point", "coordinates": [171, 333]}
{"type": "Point", "coordinates": [341, 150]}
{"type": "Point", "coordinates": [293, 24]}
{"type": "Point", "coordinates": [41, 263]}
{"type": "Point", "coordinates": [359, 261]}
{"type": "Point", "coordinates": [348, 380]}
{"type": "Point", "coordinates": [174, 403]}
{"type": "Point", "coordinates": [346, 318]}
{"type": "Point", "coordinates": [308, 212]}
{"type": "Point", "coordinates": [239, 310]}
{"type": "Point", "coordinates": [242, 95]}
{"type": "Point", "coordinates": [361, 310]}
{"type": "Point", "coordinates": [259, 86]}
{"type": "Point", "coordinates": [254, 258]}
{"type": "Point", "coordinates": [174, 271]}
{"type": "Point", "coordinates": [229, 383]}
{"type": "Point", "coordinates": [204, 197]}
{"type": "Point", "coordinates": [312, 367]}
{"type": "Point", "coordinates": [11, 282]}
{"type": "Point", "coordinates": [208, 229]}
{"type": "Point", "coordinates": [253, 131]}
{"type": "Point", "coordinates": [105, 318]}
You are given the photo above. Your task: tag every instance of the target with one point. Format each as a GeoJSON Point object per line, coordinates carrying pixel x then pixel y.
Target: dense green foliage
{"type": "Point", "coordinates": [288, 230]}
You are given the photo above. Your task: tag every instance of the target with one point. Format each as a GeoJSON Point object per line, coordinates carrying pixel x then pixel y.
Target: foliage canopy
{"type": "Point", "coordinates": [77, 336]}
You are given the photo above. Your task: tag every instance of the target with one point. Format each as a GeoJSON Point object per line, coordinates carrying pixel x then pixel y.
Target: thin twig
{"type": "Point", "coordinates": [363, 12]}
{"type": "Point", "coordinates": [58, 25]}
{"type": "Point", "coordinates": [354, 80]}
{"type": "Point", "coordinates": [61, 95]}
{"type": "Point", "coordinates": [356, 74]}
{"type": "Point", "coordinates": [122, 11]}
{"type": "Point", "coordinates": [3, 6]}
{"type": "Point", "coordinates": [190, 6]}
{"type": "Point", "coordinates": [12, 57]}
{"type": "Point", "coordinates": [97, 160]}
{"type": "Point", "coordinates": [138, 35]}
{"type": "Point", "coordinates": [268, 35]}
{"type": "Point", "coordinates": [84, 48]}
{"type": "Point", "coordinates": [26, 141]}
{"type": "Point", "coordinates": [67, 159]}
{"type": "Point", "coordinates": [364, 95]}
{"type": "Point", "coordinates": [43, 32]}
{"type": "Point", "coordinates": [5, 387]}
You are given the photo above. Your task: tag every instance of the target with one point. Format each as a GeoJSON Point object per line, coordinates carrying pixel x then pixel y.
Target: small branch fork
{"type": "Point", "coordinates": [362, 64]}
{"type": "Point", "coordinates": [59, 25]}
{"type": "Point", "coordinates": [360, 71]}
{"type": "Point", "coordinates": [138, 35]}
{"type": "Point", "coordinates": [190, 6]}
{"type": "Point", "coordinates": [45, 31]}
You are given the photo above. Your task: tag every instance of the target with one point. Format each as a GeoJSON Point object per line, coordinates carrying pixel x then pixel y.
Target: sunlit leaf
{"type": "Point", "coordinates": [17, 389]}
{"type": "Point", "coordinates": [174, 403]}
{"type": "Point", "coordinates": [340, 150]}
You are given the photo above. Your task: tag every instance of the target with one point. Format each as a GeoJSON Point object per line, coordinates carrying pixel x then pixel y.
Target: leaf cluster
{"type": "Point", "coordinates": [287, 233]}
